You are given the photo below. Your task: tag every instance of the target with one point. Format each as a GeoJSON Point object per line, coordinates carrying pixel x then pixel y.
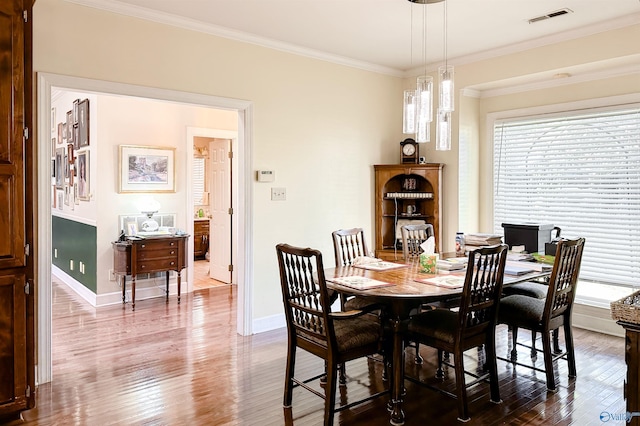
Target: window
{"type": "Point", "coordinates": [579, 170]}
{"type": "Point", "coordinates": [198, 181]}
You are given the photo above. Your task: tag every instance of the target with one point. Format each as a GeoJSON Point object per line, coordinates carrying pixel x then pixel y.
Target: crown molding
{"type": "Point", "coordinates": [558, 82]}
{"type": "Point", "coordinates": [118, 7]}
{"type": "Point", "coordinates": [198, 26]}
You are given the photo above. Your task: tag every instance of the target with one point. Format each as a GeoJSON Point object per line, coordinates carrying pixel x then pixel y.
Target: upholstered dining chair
{"type": "Point", "coordinates": [551, 313]}
{"type": "Point", "coordinates": [335, 337]}
{"type": "Point", "coordinates": [412, 237]}
{"type": "Point", "coordinates": [473, 325]}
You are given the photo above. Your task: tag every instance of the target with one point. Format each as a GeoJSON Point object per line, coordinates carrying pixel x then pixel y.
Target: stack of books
{"type": "Point", "coordinates": [474, 241]}
{"type": "Point", "coordinates": [452, 264]}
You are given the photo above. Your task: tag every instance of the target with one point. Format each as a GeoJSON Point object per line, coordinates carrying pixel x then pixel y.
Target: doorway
{"type": "Point", "coordinates": [213, 184]}
{"type": "Point", "coordinates": [244, 239]}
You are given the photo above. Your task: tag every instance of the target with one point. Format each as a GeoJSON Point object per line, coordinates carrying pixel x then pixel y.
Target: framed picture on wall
{"type": "Point", "coordinates": [69, 125]}
{"type": "Point", "coordinates": [60, 168]}
{"type": "Point", "coordinates": [83, 175]}
{"type": "Point", "coordinates": [53, 147]}
{"type": "Point", "coordinates": [61, 131]}
{"type": "Point", "coordinates": [147, 169]}
{"type": "Point", "coordinates": [75, 110]}
{"type": "Point", "coordinates": [53, 121]}
{"type": "Point", "coordinates": [83, 123]}
{"type": "Point", "coordinates": [60, 196]}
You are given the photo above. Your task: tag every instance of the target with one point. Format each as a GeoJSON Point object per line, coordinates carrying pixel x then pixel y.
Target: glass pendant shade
{"type": "Point", "coordinates": [446, 88]}
{"type": "Point", "coordinates": [424, 112]}
{"type": "Point", "coordinates": [423, 131]}
{"type": "Point", "coordinates": [424, 90]}
{"type": "Point", "coordinates": [443, 130]}
{"type": "Point", "coordinates": [410, 107]}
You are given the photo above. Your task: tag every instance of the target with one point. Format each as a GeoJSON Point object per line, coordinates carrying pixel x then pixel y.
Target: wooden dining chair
{"type": "Point", "coordinates": [335, 337]}
{"type": "Point", "coordinates": [412, 237]}
{"type": "Point", "coordinates": [348, 245]}
{"type": "Point", "coordinates": [544, 315]}
{"type": "Point", "coordinates": [473, 325]}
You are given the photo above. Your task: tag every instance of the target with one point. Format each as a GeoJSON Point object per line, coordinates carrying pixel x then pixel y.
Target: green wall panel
{"type": "Point", "coordinates": [75, 241]}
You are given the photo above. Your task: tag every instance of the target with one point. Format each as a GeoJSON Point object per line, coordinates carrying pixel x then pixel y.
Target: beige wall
{"type": "Point", "coordinates": [320, 126]}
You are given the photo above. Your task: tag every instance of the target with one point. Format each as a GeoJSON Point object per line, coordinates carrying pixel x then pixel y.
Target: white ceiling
{"type": "Point", "coordinates": [379, 34]}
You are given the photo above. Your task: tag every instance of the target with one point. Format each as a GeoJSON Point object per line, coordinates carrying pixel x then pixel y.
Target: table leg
{"type": "Point", "coordinates": [179, 274]}
{"type": "Point", "coordinates": [133, 293]}
{"type": "Point", "coordinates": [167, 291]}
{"type": "Point", "coordinates": [397, 415]}
{"type": "Point", "coordinates": [124, 288]}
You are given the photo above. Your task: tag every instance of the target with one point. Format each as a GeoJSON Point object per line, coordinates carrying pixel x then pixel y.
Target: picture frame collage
{"type": "Point", "coordinates": [70, 156]}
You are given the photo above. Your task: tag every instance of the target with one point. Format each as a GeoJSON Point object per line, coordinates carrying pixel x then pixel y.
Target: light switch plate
{"type": "Point", "coordinates": [278, 194]}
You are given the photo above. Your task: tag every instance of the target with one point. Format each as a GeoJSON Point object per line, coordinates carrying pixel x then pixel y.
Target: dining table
{"type": "Point", "coordinates": [402, 289]}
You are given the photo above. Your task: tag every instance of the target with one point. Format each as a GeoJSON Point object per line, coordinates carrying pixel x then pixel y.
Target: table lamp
{"type": "Point", "coordinates": [149, 206]}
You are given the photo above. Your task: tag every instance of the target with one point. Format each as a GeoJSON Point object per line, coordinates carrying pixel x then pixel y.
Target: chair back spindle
{"type": "Point", "coordinates": [412, 237]}
{"type": "Point", "coordinates": [482, 289]}
{"type": "Point", "coordinates": [348, 244]}
{"type": "Point", "coordinates": [564, 277]}
{"type": "Point", "coordinates": [305, 295]}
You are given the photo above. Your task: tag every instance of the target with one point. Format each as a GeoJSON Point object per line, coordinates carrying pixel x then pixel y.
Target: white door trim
{"type": "Point", "coordinates": [244, 259]}
{"type": "Point", "coordinates": [193, 132]}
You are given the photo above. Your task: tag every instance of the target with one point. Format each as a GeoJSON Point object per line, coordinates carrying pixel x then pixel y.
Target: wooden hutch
{"type": "Point", "coordinates": [405, 193]}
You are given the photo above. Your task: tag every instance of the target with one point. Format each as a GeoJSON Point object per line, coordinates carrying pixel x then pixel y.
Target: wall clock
{"type": "Point", "coordinates": [409, 151]}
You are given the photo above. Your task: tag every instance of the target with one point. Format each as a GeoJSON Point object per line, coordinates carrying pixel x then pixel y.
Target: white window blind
{"type": "Point", "coordinates": [579, 171]}
{"type": "Point", "coordinates": [198, 181]}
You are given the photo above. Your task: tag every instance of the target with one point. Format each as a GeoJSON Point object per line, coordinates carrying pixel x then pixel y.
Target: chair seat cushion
{"type": "Point", "coordinates": [521, 311]}
{"type": "Point", "coordinates": [437, 324]}
{"type": "Point", "coordinates": [356, 303]}
{"type": "Point", "coordinates": [357, 332]}
{"type": "Point", "coordinates": [531, 289]}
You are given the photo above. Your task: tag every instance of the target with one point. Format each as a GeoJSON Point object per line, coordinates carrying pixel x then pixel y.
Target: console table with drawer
{"type": "Point", "coordinates": [149, 255]}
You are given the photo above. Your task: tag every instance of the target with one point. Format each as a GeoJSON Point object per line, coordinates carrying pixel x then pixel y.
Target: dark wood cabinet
{"type": "Point", "coordinates": [17, 177]}
{"type": "Point", "coordinates": [200, 238]}
{"type": "Point", "coordinates": [405, 193]}
{"type": "Point", "coordinates": [149, 255]}
{"type": "Point", "coordinates": [632, 359]}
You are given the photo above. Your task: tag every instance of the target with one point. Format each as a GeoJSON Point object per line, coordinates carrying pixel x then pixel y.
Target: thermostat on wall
{"type": "Point", "coordinates": [266, 175]}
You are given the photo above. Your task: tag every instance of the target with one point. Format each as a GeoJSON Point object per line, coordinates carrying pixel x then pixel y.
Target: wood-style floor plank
{"type": "Point", "coordinates": [169, 364]}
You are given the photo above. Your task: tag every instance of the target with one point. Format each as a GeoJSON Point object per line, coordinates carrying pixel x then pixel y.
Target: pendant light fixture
{"type": "Point", "coordinates": [446, 98]}
{"type": "Point", "coordinates": [418, 104]}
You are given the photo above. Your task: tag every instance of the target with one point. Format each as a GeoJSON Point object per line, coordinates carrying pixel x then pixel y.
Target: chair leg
{"type": "Point", "coordinates": [568, 337]}
{"type": "Point", "coordinates": [556, 342]}
{"type": "Point", "coordinates": [440, 370]}
{"type": "Point", "coordinates": [288, 383]}
{"type": "Point", "coordinates": [548, 361]}
{"type": "Point", "coordinates": [343, 374]}
{"type": "Point", "coordinates": [323, 379]}
{"type": "Point", "coordinates": [330, 394]}
{"type": "Point", "coordinates": [492, 366]}
{"type": "Point", "coordinates": [461, 388]}
{"type": "Point", "coordinates": [514, 340]}
{"type": "Point", "coordinates": [418, 359]}
{"type": "Point", "coordinates": [534, 352]}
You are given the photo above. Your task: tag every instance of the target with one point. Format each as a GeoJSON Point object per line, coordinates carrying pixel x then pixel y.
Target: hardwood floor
{"type": "Point", "coordinates": [201, 276]}
{"type": "Point", "coordinates": [169, 364]}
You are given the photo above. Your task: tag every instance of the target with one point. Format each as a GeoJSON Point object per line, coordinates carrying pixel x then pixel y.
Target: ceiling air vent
{"type": "Point", "coordinates": [551, 15]}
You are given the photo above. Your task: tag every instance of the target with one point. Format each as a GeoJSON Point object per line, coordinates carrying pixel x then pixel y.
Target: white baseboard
{"type": "Point", "coordinates": [595, 319]}
{"type": "Point", "coordinates": [273, 322]}
{"type": "Point", "coordinates": [74, 284]}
